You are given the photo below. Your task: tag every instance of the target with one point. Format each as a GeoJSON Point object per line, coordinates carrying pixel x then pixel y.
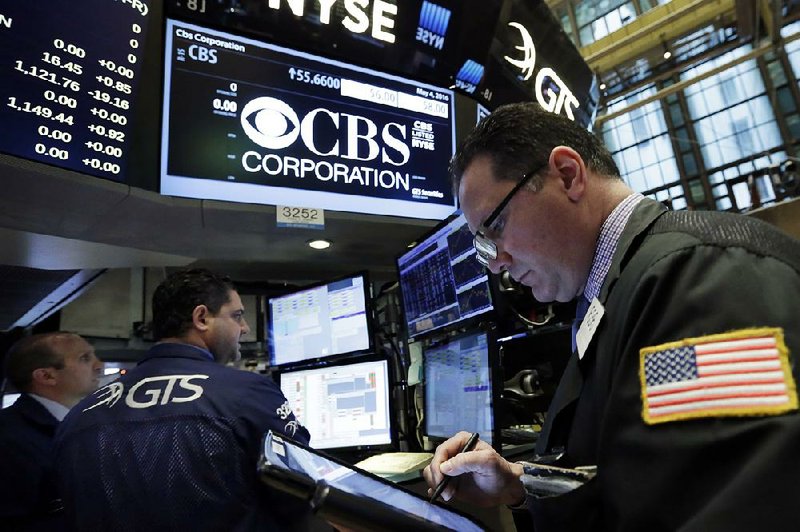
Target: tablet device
{"type": "Point", "coordinates": [348, 496]}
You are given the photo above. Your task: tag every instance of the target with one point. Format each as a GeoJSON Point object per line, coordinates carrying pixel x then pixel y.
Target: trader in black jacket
{"type": "Point", "coordinates": [53, 371]}
{"type": "Point", "coordinates": [678, 408]}
{"type": "Point", "coordinates": [174, 444]}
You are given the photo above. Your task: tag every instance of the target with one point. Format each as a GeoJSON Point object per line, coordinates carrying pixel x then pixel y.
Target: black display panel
{"type": "Point", "coordinates": [251, 122]}
{"type": "Point", "coordinates": [320, 320]}
{"type": "Point", "coordinates": [458, 387]}
{"type": "Point", "coordinates": [532, 59]}
{"type": "Point", "coordinates": [68, 80]}
{"type": "Point", "coordinates": [497, 51]}
{"type": "Point", "coordinates": [422, 39]}
{"type": "Point", "coordinates": [441, 280]}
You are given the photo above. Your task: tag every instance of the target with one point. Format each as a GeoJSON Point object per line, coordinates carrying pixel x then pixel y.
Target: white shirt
{"type": "Point", "coordinates": [58, 410]}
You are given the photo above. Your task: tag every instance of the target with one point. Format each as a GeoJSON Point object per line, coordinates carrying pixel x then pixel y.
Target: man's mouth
{"type": "Point", "coordinates": [524, 277]}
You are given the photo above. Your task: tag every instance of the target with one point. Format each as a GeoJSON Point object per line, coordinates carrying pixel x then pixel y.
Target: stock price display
{"type": "Point", "coordinates": [69, 72]}
{"type": "Point", "coordinates": [248, 121]}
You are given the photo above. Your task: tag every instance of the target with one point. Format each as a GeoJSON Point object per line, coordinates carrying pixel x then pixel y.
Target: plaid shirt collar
{"type": "Point", "coordinates": [607, 244]}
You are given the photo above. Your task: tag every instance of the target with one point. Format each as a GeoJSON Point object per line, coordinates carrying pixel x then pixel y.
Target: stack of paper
{"type": "Point", "coordinates": [396, 467]}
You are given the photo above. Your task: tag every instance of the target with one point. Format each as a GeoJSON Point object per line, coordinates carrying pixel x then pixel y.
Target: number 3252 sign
{"type": "Point", "coordinates": [300, 217]}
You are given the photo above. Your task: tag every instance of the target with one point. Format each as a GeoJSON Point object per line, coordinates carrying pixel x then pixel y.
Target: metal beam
{"type": "Point", "coordinates": [663, 93]}
{"type": "Point", "coordinates": [662, 23]}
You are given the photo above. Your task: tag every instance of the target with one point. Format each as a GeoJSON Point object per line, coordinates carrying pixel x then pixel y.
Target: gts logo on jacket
{"type": "Point", "coordinates": [151, 391]}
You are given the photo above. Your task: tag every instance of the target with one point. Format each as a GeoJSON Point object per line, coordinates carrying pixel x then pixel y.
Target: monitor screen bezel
{"type": "Point", "coordinates": [495, 374]}
{"type": "Point", "coordinates": [369, 311]}
{"type": "Point", "coordinates": [461, 323]}
{"type": "Point", "coordinates": [390, 380]}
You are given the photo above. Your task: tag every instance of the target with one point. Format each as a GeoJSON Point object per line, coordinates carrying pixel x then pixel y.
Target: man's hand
{"type": "Point", "coordinates": [484, 478]}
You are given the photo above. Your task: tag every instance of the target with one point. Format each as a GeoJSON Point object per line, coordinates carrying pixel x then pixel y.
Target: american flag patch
{"type": "Point", "coordinates": [742, 373]}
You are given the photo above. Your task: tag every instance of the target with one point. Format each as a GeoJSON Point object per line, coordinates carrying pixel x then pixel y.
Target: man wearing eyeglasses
{"type": "Point", "coordinates": [174, 443]}
{"type": "Point", "coordinates": [678, 407]}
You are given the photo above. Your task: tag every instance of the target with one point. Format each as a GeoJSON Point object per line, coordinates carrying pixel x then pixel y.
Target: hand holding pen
{"type": "Point", "coordinates": [473, 439]}
{"type": "Point", "coordinates": [484, 477]}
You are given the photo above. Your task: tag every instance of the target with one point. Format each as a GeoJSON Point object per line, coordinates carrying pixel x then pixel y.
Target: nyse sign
{"type": "Point", "coordinates": [360, 18]}
{"type": "Point", "coordinates": [550, 91]}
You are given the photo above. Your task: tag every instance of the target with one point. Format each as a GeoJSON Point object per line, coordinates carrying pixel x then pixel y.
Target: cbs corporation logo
{"type": "Point", "coordinates": [270, 123]}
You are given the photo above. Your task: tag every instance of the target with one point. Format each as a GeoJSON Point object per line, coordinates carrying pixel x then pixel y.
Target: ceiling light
{"type": "Point", "coordinates": [319, 244]}
{"type": "Point", "coordinates": [602, 86]}
{"type": "Point", "coordinates": [667, 54]}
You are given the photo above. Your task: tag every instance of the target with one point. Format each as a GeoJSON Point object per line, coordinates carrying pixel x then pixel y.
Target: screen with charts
{"type": "Point", "coordinates": [332, 318]}
{"type": "Point", "coordinates": [248, 121]}
{"type": "Point", "coordinates": [458, 387]}
{"type": "Point", "coordinates": [342, 405]}
{"type": "Point", "coordinates": [441, 280]}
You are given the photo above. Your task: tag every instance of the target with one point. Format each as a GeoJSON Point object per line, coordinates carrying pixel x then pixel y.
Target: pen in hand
{"type": "Point", "coordinates": [473, 439]}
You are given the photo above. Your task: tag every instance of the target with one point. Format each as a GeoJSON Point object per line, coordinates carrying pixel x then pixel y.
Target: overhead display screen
{"type": "Point", "coordinates": [251, 122]}
{"type": "Point", "coordinates": [68, 82]}
{"type": "Point", "coordinates": [426, 40]}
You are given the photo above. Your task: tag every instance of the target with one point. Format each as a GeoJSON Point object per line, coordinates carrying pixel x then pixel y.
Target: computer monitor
{"type": "Point", "coordinates": [342, 405]}
{"type": "Point", "coordinates": [320, 320]}
{"type": "Point", "coordinates": [441, 280]}
{"type": "Point", "coordinates": [459, 391]}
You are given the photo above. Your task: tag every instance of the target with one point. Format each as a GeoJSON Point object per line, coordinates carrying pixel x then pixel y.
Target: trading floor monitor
{"type": "Point", "coordinates": [320, 320]}
{"type": "Point", "coordinates": [343, 405]}
{"type": "Point", "coordinates": [459, 391]}
{"type": "Point", "coordinates": [441, 280]}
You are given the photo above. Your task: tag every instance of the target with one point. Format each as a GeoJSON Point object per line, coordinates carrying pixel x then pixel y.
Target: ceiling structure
{"type": "Point", "coordinates": [54, 218]}
{"type": "Point", "coordinates": [633, 55]}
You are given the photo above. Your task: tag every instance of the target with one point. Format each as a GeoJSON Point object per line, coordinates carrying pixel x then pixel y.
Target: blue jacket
{"type": "Point", "coordinates": [174, 445]}
{"type": "Point", "coordinates": [29, 500]}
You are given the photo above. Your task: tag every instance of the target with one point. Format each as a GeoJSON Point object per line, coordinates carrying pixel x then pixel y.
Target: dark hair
{"type": "Point", "coordinates": [29, 354]}
{"type": "Point", "coordinates": [519, 138]}
{"type": "Point", "coordinates": [180, 293]}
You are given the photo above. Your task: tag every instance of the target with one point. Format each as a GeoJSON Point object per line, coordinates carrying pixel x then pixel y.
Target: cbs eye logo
{"type": "Point", "coordinates": [270, 123]}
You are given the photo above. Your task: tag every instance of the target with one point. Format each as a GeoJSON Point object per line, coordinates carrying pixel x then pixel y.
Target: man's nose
{"type": "Point", "coordinates": [500, 263]}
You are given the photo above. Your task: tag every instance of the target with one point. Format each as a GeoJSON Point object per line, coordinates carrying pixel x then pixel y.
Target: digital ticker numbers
{"type": "Point", "coordinates": [68, 82]}
{"type": "Point", "coordinates": [248, 121]}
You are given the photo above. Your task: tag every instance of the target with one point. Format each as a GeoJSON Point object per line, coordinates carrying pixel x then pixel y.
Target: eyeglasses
{"type": "Point", "coordinates": [485, 248]}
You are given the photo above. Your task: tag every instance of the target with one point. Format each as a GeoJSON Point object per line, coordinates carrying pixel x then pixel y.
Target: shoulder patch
{"type": "Point", "coordinates": [740, 373]}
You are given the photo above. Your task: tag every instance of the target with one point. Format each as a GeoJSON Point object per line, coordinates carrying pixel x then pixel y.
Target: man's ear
{"type": "Point", "coordinates": [571, 170]}
{"type": "Point", "coordinates": [200, 316]}
{"type": "Point", "coordinates": [44, 376]}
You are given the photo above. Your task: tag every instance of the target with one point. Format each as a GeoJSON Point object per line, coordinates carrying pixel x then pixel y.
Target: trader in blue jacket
{"type": "Point", "coordinates": [174, 443]}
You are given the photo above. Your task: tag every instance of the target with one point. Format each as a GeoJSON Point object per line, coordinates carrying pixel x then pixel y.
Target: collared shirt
{"type": "Point", "coordinates": [58, 410]}
{"type": "Point", "coordinates": [607, 244]}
